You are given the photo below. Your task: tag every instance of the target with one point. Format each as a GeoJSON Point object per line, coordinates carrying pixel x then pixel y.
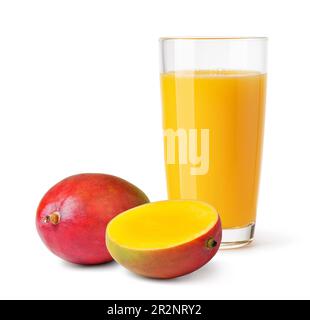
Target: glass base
{"type": "Point", "coordinates": [237, 237]}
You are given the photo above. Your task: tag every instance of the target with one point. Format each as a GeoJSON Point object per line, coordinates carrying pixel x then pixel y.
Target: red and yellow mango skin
{"type": "Point", "coordinates": [85, 204]}
{"type": "Point", "coordinates": [171, 262]}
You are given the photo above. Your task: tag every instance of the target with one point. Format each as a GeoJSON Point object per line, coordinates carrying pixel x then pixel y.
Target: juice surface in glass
{"type": "Point", "coordinates": [213, 128]}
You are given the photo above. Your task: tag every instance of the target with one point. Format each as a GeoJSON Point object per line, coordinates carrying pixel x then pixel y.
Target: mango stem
{"type": "Point", "coordinates": [53, 218]}
{"type": "Point", "coordinates": [211, 243]}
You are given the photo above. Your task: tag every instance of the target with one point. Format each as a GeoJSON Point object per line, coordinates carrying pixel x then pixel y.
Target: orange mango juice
{"type": "Point", "coordinates": [213, 128]}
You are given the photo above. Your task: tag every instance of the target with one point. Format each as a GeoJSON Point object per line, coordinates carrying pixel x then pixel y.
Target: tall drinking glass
{"type": "Point", "coordinates": [213, 97]}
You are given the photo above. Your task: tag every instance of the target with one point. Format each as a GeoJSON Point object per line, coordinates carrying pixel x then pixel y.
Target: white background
{"type": "Point", "coordinates": [79, 92]}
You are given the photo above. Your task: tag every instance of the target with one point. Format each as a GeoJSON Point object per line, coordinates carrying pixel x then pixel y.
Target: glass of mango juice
{"type": "Point", "coordinates": [213, 102]}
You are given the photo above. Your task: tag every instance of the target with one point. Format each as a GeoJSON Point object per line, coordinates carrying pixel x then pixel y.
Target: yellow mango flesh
{"type": "Point", "coordinates": [162, 224]}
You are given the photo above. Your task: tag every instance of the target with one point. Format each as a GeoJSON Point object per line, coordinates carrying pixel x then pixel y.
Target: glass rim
{"type": "Point", "coordinates": [161, 39]}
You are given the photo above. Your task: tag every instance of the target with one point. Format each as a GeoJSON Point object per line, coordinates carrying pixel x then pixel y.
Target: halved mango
{"type": "Point", "coordinates": [165, 239]}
